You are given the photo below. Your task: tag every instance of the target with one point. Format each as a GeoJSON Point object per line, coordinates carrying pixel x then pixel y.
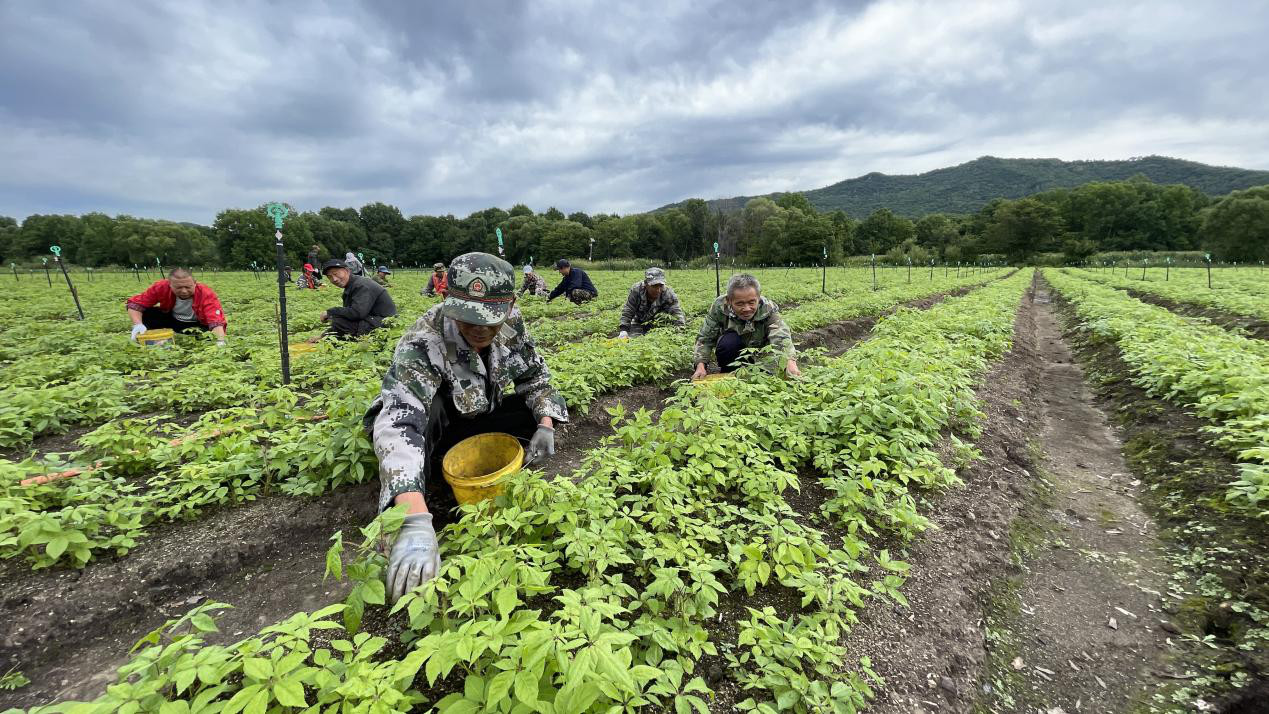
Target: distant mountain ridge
{"type": "Point", "coordinates": [967, 187]}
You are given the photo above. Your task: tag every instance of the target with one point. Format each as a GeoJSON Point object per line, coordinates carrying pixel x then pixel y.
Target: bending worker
{"type": "Point", "coordinates": [449, 379]}
{"type": "Point", "coordinates": [179, 303]}
{"type": "Point", "coordinates": [381, 276]}
{"type": "Point", "coordinates": [436, 284]}
{"type": "Point", "coordinates": [366, 303]}
{"type": "Point", "coordinates": [648, 298]}
{"type": "Point", "coordinates": [533, 283]}
{"type": "Point", "coordinates": [743, 319]}
{"type": "Point", "coordinates": [576, 284]}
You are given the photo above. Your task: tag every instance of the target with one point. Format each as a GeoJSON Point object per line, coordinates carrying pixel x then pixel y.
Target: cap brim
{"type": "Point", "coordinates": [476, 312]}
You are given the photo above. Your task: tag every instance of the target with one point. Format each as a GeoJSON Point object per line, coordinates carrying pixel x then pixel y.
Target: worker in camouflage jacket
{"type": "Point", "coordinates": [739, 320]}
{"type": "Point", "coordinates": [647, 299]}
{"type": "Point", "coordinates": [449, 380]}
{"type": "Point", "coordinates": [534, 284]}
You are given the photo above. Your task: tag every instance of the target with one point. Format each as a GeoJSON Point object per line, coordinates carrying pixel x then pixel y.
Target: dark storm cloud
{"type": "Point", "coordinates": [178, 110]}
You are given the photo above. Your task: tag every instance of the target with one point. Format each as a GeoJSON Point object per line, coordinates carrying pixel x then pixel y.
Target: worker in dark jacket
{"type": "Point", "coordinates": [576, 285]}
{"type": "Point", "coordinates": [366, 303]}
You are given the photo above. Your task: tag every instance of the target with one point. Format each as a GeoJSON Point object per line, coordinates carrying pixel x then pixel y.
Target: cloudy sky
{"type": "Point", "coordinates": [180, 109]}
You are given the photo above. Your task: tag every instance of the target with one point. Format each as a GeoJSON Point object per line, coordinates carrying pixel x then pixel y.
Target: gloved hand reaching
{"type": "Point", "coordinates": [624, 335]}
{"type": "Point", "coordinates": [415, 557]}
{"type": "Point", "coordinates": [541, 445]}
{"type": "Point", "coordinates": [137, 329]}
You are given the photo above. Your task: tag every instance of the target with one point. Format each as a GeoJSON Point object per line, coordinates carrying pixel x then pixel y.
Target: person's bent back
{"type": "Point", "coordinates": [366, 303]}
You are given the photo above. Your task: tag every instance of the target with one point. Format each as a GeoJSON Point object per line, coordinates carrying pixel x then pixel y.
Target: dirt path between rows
{"type": "Point", "coordinates": [1041, 589]}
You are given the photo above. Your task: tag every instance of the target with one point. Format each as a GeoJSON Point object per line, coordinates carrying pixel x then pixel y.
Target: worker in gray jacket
{"type": "Point", "coordinates": [647, 299]}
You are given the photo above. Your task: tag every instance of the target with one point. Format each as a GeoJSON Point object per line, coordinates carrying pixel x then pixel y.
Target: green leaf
{"type": "Point", "coordinates": [57, 546]}
{"type": "Point", "coordinates": [373, 592]}
{"type": "Point", "coordinates": [289, 693]}
{"type": "Point", "coordinates": [506, 600]}
{"type": "Point", "coordinates": [257, 668]}
{"type": "Point", "coordinates": [203, 623]}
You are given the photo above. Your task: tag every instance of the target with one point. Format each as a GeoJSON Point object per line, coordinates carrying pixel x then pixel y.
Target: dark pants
{"type": "Point", "coordinates": [580, 296]}
{"type": "Point", "coordinates": [346, 329]}
{"type": "Point", "coordinates": [446, 427]}
{"type": "Point", "coordinates": [727, 352]}
{"type": "Point", "coordinates": [155, 319]}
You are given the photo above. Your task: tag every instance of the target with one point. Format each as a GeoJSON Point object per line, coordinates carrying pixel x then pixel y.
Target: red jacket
{"type": "Point", "coordinates": [207, 308]}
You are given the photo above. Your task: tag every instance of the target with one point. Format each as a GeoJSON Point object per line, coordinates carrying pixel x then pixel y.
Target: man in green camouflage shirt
{"type": "Point", "coordinates": [647, 299]}
{"type": "Point", "coordinates": [448, 381]}
{"type": "Point", "coordinates": [742, 319]}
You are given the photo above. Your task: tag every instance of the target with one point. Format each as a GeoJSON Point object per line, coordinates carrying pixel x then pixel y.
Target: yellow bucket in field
{"type": "Point", "coordinates": [300, 348]}
{"type": "Point", "coordinates": [475, 467]}
{"type": "Point", "coordinates": [714, 377]}
{"type": "Point", "coordinates": [718, 384]}
{"type": "Point", "coordinates": [155, 338]}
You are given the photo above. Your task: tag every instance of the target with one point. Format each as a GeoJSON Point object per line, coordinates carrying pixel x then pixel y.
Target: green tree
{"type": "Point", "coordinates": [1022, 228]}
{"type": "Point", "coordinates": [40, 232]}
{"type": "Point", "coordinates": [935, 232]}
{"type": "Point", "coordinates": [554, 214]}
{"type": "Point", "coordinates": [383, 224]}
{"type": "Point", "coordinates": [883, 230]}
{"type": "Point", "coordinates": [615, 237]}
{"type": "Point", "coordinates": [565, 239]}
{"type": "Point", "coordinates": [520, 210]}
{"type": "Point", "coordinates": [1237, 227]}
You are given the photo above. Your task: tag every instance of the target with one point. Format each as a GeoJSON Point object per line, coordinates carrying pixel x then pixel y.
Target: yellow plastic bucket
{"type": "Point", "coordinates": [155, 338]}
{"type": "Point", "coordinates": [301, 348]}
{"type": "Point", "coordinates": [475, 467]}
{"type": "Point", "coordinates": [719, 376]}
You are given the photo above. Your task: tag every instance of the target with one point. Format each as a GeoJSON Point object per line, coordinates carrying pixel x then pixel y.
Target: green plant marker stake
{"type": "Point", "coordinates": [46, 275]}
{"type": "Point", "coordinates": [824, 280]}
{"type": "Point", "coordinates": [872, 260]}
{"type": "Point", "coordinates": [498, 231]}
{"type": "Point", "coordinates": [909, 270]}
{"type": "Point", "coordinates": [278, 213]}
{"type": "Point", "coordinates": [931, 270]}
{"type": "Point", "coordinates": [1144, 263]}
{"type": "Point", "coordinates": [57, 258]}
{"type": "Point", "coordinates": [1208, 257]}
{"type": "Point", "coordinates": [15, 271]}
{"type": "Point", "coordinates": [1167, 268]}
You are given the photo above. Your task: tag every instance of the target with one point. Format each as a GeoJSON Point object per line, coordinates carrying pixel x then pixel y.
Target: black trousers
{"type": "Point", "coordinates": [155, 319]}
{"type": "Point", "coordinates": [346, 329]}
{"type": "Point", "coordinates": [727, 352]}
{"type": "Point", "coordinates": [446, 427]}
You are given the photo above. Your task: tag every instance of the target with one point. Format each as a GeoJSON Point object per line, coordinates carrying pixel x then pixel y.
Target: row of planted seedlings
{"type": "Point", "coordinates": [1226, 298]}
{"type": "Point", "coordinates": [606, 593]}
{"type": "Point", "coordinates": [132, 473]}
{"type": "Point", "coordinates": [58, 374]}
{"type": "Point", "coordinates": [1221, 377]}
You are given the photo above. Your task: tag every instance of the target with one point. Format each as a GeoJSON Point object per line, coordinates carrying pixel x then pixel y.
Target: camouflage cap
{"type": "Point", "coordinates": [654, 276]}
{"type": "Point", "coordinates": [438, 266]}
{"type": "Point", "coordinates": [482, 288]}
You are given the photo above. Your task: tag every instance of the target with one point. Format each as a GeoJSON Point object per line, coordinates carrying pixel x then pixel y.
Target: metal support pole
{"type": "Point", "coordinates": [57, 256]}
{"type": "Point", "coordinates": [278, 213]}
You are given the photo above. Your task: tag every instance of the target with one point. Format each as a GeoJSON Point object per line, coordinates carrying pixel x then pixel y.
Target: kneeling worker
{"type": "Point", "coordinates": [742, 319]}
{"type": "Point", "coordinates": [449, 380]}
{"type": "Point", "coordinates": [366, 303]}
{"type": "Point", "coordinates": [647, 299]}
{"type": "Point", "coordinates": [575, 285]}
{"type": "Point", "coordinates": [179, 303]}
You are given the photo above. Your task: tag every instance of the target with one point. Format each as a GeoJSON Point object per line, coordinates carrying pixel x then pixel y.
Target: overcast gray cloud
{"type": "Point", "coordinates": [178, 110]}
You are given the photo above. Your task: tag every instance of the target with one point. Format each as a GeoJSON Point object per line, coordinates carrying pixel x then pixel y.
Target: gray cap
{"type": "Point", "coordinates": [654, 276]}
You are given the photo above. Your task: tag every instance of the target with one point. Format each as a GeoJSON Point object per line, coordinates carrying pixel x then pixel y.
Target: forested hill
{"type": "Point", "coordinates": [967, 187]}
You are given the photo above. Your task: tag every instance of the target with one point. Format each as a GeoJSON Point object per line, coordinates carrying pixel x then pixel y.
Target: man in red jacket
{"type": "Point", "coordinates": [179, 303]}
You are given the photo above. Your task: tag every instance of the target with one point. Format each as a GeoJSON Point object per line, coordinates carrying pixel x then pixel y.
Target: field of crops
{"type": "Point", "coordinates": [709, 549]}
{"type": "Point", "coordinates": [165, 435]}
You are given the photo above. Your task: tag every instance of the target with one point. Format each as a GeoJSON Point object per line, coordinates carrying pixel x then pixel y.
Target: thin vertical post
{"type": "Point", "coordinates": [278, 213]}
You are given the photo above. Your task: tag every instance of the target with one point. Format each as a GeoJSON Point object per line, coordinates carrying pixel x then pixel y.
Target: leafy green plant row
{"type": "Point", "coordinates": [142, 480]}
{"type": "Point", "coordinates": [1220, 376]}
{"type": "Point", "coordinates": [1192, 292]}
{"type": "Point", "coordinates": [604, 594]}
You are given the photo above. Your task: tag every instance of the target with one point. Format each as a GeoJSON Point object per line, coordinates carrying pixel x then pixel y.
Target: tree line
{"type": "Point", "coordinates": [1128, 215]}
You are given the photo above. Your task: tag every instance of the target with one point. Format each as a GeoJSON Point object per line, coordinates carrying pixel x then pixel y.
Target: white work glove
{"type": "Point", "coordinates": [220, 343]}
{"type": "Point", "coordinates": [137, 329]}
{"type": "Point", "coordinates": [624, 335]}
{"type": "Point", "coordinates": [541, 445]}
{"type": "Point", "coordinates": [415, 557]}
